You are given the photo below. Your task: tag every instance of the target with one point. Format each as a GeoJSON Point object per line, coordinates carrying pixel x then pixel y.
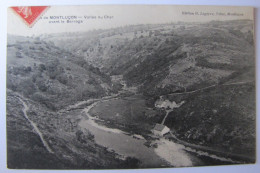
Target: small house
{"type": "Point", "coordinates": [160, 130]}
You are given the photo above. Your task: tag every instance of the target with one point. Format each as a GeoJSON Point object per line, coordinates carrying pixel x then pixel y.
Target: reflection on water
{"type": "Point", "coordinates": [167, 154]}
{"type": "Point", "coordinates": [173, 153]}
{"type": "Point", "coordinates": [123, 144]}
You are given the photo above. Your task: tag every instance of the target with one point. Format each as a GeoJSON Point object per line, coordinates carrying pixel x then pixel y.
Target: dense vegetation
{"type": "Point", "coordinates": [74, 148]}
{"type": "Point", "coordinates": [222, 117]}
{"type": "Point", "coordinates": [51, 76]}
{"type": "Point", "coordinates": [169, 60]}
{"type": "Point", "coordinates": [49, 79]}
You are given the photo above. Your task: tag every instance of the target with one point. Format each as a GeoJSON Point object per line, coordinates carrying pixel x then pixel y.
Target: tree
{"type": "Point", "coordinates": [40, 83]}
{"type": "Point", "coordinates": [26, 87]}
{"type": "Point", "coordinates": [42, 67]}
{"type": "Point", "coordinates": [150, 33]}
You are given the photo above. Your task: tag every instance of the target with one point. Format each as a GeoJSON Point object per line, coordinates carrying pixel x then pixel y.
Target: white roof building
{"type": "Point", "coordinates": [160, 130]}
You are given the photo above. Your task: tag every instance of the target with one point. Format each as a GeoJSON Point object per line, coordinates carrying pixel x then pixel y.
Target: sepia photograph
{"type": "Point", "coordinates": [130, 86]}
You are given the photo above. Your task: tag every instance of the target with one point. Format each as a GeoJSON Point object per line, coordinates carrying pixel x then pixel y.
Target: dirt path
{"type": "Point", "coordinates": [167, 113]}
{"type": "Point", "coordinates": [25, 109]}
{"type": "Point", "coordinates": [211, 86]}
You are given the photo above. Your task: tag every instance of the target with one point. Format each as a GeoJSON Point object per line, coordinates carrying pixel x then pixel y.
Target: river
{"type": "Point", "coordinates": [166, 154]}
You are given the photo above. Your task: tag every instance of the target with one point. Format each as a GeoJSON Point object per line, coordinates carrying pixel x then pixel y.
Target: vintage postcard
{"type": "Point", "coordinates": [130, 86]}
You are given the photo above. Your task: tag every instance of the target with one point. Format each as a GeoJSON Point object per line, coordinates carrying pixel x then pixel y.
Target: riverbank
{"type": "Point", "coordinates": [127, 145]}
{"type": "Point", "coordinates": [199, 154]}
{"type": "Point", "coordinates": [211, 155]}
{"type": "Point", "coordinates": [123, 143]}
{"type": "Point", "coordinates": [72, 148]}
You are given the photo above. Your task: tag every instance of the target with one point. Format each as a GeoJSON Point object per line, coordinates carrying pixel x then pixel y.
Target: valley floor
{"type": "Point", "coordinates": [175, 154]}
{"type": "Point", "coordinates": [113, 122]}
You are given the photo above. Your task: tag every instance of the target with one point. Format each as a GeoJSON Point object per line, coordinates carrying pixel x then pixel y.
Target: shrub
{"type": "Point", "coordinates": [132, 162]}
{"type": "Point", "coordinates": [83, 137]}
{"type": "Point", "coordinates": [42, 67]}
{"type": "Point", "coordinates": [26, 87]}
{"type": "Point", "coordinates": [62, 78]}
{"type": "Point", "coordinates": [10, 83]}
{"type": "Point", "coordinates": [41, 84]}
{"type": "Point", "coordinates": [42, 99]}
{"type": "Point", "coordinates": [32, 47]}
{"type": "Point", "coordinates": [28, 69]}
{"type": "Point", "coordinates": [18, 55]}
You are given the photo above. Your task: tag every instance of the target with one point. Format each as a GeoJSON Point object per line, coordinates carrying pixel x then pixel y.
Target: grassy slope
{"type": "Point", "coordinates": [173, 59]}
{"type": "Point", "coordinates": [170, 61]}
{"type": "Point", "coordinates": [50, 79]}
{"type": "Point", "coordinates": [161, 59]}
{"type": "Point", "coordinates": [128, 113]}
{"type": "Point", "coordinates": [74, 148]}
{"type": "Point", "coordinates": [56, 78]}
{"type": "Point", "coordinates": [24, 148]}
{"type": "Point", "coordinates": [222, 117]}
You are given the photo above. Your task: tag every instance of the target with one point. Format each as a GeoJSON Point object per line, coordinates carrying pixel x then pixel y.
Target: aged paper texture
{"type": "Point", "coordinates": [130, 86]}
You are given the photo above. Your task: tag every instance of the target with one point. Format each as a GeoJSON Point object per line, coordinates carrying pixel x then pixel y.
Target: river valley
{"type": "Point", "coordinates": [128, 145]}
{"type": "Point", "coordinates": [162, 152]}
